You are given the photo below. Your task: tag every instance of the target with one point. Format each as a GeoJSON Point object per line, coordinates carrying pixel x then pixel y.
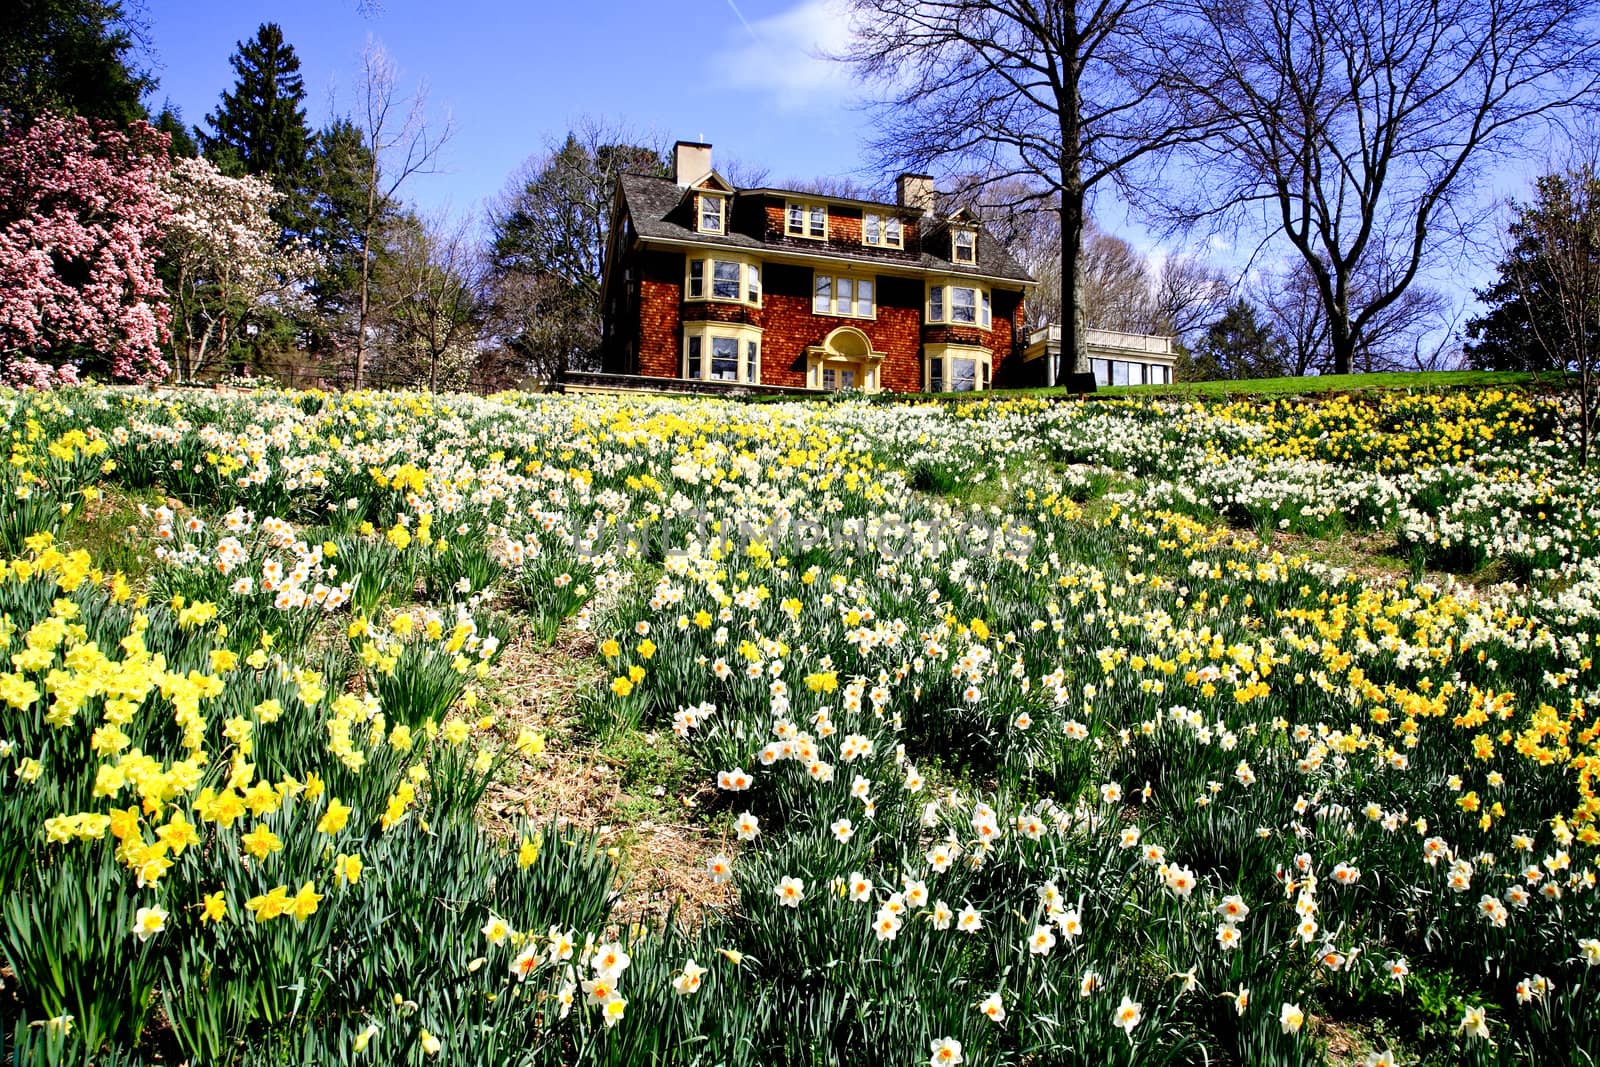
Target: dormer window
{"type": "Point", "coordinates": [963, 246]}
{"type": "Point", "coordinates": [882, 231]}
{"type": "Point", "coordinates": [713, 213]}
{"type": "Point", "coordinates": [805, 219]}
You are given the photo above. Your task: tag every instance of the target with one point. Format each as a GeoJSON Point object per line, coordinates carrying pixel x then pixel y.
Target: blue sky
{"type": "Point", "coordinates": [515, 75]}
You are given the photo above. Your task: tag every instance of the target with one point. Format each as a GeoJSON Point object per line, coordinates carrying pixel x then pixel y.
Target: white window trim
{"type": "Point", "coordinates": [868, 368]}
{"type": "Point", "coordinates": [955, 245]}
{"type": "Point", "coordinates": [833, 294]}
{"type": "Point", "coordinates": [944, 355]}
{"type": "Point", "coordinates": [982, 303]}
{"type": "Point", "coordinates": [808, 207]}
{"type": "Point", "coordinates": [748, 374]}
{"type": "Point", "coordinates": [883, 240]}
{"type": "Point", "coordinates": [749, 279]}
{"type": "Point", "coordinates": [701, 199]}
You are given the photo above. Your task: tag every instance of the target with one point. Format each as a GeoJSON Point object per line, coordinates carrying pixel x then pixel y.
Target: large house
{"type": "Point", "coordinates": [710, 283]}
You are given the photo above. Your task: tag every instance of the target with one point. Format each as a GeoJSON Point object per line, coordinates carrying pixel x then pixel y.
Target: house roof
{"type": "Point", "coordinates": [653, 205]}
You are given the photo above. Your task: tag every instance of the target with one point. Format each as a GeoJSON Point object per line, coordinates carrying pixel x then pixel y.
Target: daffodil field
{"type": "Point", "coordinates": [1026, 732]}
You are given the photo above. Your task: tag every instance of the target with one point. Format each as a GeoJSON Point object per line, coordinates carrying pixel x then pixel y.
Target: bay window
{"type": "Point", "coordinates": [718, 352]}
{"type": "Point", "coordinates": [960, 305]}
{"type": "Point", "coordinates": [958, 368]}
{"type": "Point", "coordinates": [724, 278]}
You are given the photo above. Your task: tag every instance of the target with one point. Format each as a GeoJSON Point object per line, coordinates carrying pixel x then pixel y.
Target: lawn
{"type": "Point", "coordinates": [1339, 383]}
{"type": "Point", "coordinates": [1326, 383]}
{"type": "Point", "coordinates": [393, 728]}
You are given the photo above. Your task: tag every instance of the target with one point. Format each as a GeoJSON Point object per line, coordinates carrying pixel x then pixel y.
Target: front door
{"type": "Point", "coordinates": [838, 375]}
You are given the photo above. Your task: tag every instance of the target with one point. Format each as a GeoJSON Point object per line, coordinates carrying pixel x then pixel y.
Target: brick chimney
{"type": "Point", "coordinates": [916, 191]}
{"type": "Point", "coordinates": [691, 161]}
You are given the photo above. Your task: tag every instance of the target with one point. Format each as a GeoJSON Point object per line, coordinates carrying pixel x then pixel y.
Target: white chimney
{"type": "Point", "coordinates": [916, 191]}
{"type": "Point", "coordinates": [691, 161]}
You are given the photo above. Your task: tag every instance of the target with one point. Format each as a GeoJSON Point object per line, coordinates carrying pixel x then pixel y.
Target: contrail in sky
{"type": "Point", "coordinates": [744, 20]}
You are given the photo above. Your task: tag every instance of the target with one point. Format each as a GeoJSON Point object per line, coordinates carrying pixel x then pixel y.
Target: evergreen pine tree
{"type": "Point", "coordinates": [170, 122]}
{"type": "Point", "coordinates": [341, 162]}
{"type": "Point", "coordinates": [71, 57]}
{"type": "Point", "coordinates": [259, 128]}
{"type": "Point", "coordinates": [1527, 324]}
{"type": "Point", "coordinates": [1237, 345]}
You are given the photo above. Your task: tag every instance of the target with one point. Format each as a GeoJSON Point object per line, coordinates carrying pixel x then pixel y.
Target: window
{"type": "Point", "coordinates": [962, 305]}
{"type": "Point", "coordinates": [882, 231]}
{"type": "Point", "coordinates": [1102, 372]}
{"type": "Point", "coordinates": [713, 213]}
{"type": "Point", "coordinates": [963, 375]}
{"type": "Point", "coordinates": [721, 353]}
{"type": "Point", "coordinates": [724, 279]}
{"type": "Point", "coordinates": [725, 359]}
{"type": "Point", "coordinates": [964, 246]}
{"type": "Point", "coordinates": [841, 295]}
{"type": "Point", "coordinates": [806, 220]}
{"type": "Point", "coordinates": [959, 368]}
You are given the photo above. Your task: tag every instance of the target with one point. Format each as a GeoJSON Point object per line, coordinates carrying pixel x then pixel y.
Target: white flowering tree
{"type": "Point", "coordinates": [225, 259]}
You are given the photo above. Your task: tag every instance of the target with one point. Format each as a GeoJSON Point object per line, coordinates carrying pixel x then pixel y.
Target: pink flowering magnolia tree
{"type": "Point", "coordinates": [224, 258]}
{"type": "Point", "coordinates": [81, 214]}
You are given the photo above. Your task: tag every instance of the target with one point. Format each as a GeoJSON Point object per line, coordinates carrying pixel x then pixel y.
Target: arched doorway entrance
{"type": "Point", "coordinates": [844, 360]}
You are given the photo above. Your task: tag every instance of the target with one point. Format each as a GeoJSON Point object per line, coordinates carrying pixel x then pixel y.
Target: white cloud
{"type": "Point", "coordinates": [784, 55]}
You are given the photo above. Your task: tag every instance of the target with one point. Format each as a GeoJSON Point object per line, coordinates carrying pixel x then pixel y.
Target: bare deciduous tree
{"type": "Point", "coordinates": [427, 303]}
{"type": "Point", "coordinates": [831, 185]}
{"type": "Point", "coordinates": [550, 229]}
{"type": "Point", "coordinates": [1412, 332]}
{"type": "Point", "coordinates": [543, 327]}
{"type": "Point", "coordinates": [1118, 286]}
{"type": "Point", "coordinates": [400, 142]}
{"type": "Point", "coordinates": [1190, 295]}
{"type": "Point", "coordinates": [1359, 128]}
{"type": "Point", "coordinates": [1020, 90]}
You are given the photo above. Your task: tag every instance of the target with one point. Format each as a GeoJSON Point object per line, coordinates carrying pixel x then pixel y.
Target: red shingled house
{"type": "Point", "coordinates": [710, 283]}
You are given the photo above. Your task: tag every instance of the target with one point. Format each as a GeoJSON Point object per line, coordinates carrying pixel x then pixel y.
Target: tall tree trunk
{"type": "Point", "coordinates": [364, 298]}
{"type": "Point", "coordinates": [1074, 346]}
{"type": "Point", "coordinates": [1586, 406]}
{"type": "Point", "coordinates": [1074, 328]}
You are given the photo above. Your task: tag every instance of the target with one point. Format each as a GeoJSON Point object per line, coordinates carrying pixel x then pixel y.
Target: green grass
{"type": "Point", "coordinates": [653, 771]}
{"type": "Point", "coordinates": [1327, 383]}
{"type": "Point", "coordinates": [103, 528]}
